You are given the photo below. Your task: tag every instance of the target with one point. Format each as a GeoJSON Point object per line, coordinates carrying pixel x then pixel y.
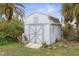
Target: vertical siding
{"type": "Point", "coordinates": [47, 34]}
{"type": "Point", "coordinates": [55, 33]}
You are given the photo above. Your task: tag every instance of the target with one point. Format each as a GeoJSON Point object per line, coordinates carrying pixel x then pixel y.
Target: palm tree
{"type": "Point", "coordinates": [67, 12]}
{"type": "Point", "coordinates": [10, 10]}
{"type": "Point", "coordinates": [70, 13]}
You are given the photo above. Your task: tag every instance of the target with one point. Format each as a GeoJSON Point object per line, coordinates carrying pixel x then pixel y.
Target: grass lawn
{"type": "Point", "coordinates": [58, 49]}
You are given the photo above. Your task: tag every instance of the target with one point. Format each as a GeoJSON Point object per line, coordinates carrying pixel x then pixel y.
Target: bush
{"type": "Point", "coordinates": [69, 33]}
{"type": "Point", "coordinates": [71, 37]}
{"type": "Point", "coordinates": [9, 31]}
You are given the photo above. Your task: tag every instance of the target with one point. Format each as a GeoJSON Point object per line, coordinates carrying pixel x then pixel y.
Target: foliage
{"type": "Point", "coordinates": [12, 9]}
{"type": "Point", "coordinates": [71, 13]}
{"type": "Point", "coordinates": [9, 31]}
{"type": "Point", "coordinates": [67, 12]}
{"type": "Point", "coordinates": [69, 33]}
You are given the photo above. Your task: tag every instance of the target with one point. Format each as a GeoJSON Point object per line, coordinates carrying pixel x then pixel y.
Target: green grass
{"type": "Point", "coordinates": [58, 49]}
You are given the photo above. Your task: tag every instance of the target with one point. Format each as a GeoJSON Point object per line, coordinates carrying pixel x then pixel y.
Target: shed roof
{"type": "Point", "coordinates": [56, 20]}
{"type": "Point", "coordinates": [53, 19]}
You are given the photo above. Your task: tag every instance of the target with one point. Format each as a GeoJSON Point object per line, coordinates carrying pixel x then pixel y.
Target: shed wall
{"type": "Point", "coordinates": [55, 33]}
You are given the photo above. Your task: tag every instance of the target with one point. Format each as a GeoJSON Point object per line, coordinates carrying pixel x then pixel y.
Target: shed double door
{"type": "Point", "coordinates": [36, 33]}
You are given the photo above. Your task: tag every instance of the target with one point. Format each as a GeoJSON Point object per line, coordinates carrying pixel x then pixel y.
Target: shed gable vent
{"type": "Point", "coordinates": [36, 20]}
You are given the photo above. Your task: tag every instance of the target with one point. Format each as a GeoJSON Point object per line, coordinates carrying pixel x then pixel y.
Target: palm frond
{"type": "Point", "coordinates": [20, 4]}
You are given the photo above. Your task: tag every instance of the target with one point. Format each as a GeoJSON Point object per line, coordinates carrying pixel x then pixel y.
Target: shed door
{"type": "Point", "coordinates": [36, 33]}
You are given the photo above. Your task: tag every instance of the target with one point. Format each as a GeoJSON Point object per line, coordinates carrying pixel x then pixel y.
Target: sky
{"type": "Point", "coordinates": [52, 9]}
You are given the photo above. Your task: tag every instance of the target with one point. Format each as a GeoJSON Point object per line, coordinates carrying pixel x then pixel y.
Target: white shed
{"type": "Point", "coordinates": [41, 28]}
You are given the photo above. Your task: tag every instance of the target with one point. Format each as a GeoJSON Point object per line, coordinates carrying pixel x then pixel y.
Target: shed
{"type": "Point", "coordinates": [42, 28]}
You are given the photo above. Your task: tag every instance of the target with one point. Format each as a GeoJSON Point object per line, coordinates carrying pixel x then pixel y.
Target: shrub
{"type": "Point", "coordinates": [69, 33]}
{"type": "Point", "coordinates": [9, 31]}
